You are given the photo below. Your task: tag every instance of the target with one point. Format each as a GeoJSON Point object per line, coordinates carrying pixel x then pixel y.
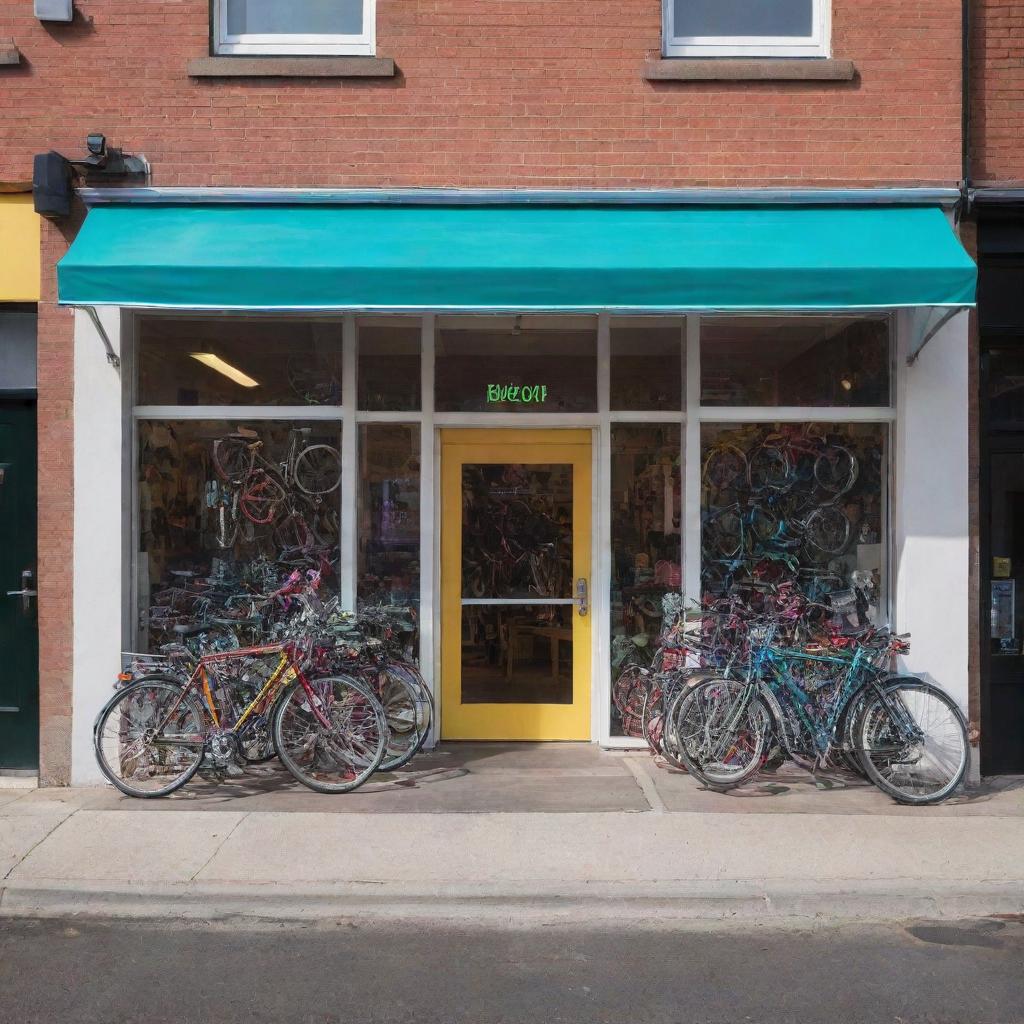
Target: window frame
{"type": "Point", "coordinates": [293, 44]}
{"type": "Point", "coordinates": [817, 44]}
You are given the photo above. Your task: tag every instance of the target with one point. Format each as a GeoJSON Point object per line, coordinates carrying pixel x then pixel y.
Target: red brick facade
{"type": "Point", "coordinates": [490, 92]}
{"type": "Point", "coordinates": [503, 93]}
{"type": "Point", "coordinates": [997, 92]}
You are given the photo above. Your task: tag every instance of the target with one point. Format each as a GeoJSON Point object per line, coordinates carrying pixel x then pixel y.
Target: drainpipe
{"type": "Point", "coordinates": [965, 104]}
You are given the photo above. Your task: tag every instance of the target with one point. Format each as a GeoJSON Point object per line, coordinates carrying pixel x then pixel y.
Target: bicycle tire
{"type": "Point", "coordinates": [172, 686]}
{"type": "Point", "coordinates": [311, 470]}
{"type": "Point", "coordinates": [402, 709]}
{"type": "Point", "coordinates": [723, 467]}
{"type": "Point", "coordinates": [352, 749]}
{"type": "Point", "coordinates": [769, 469]}
{"type": "Point", "coordinates": [836, 469]}
{"type": "Point", "coordinates": [426, 698]}
{"type": "Point", "coordinates": [707, 764]}
{"type": "Point", "coordinates": [826, 532]}
{"type": "Point", "coordinates": [261, 497]}
{"type": "Point", "coordinates": [231, 459]}
{"type": "Point", "coordinates": [875, 715]}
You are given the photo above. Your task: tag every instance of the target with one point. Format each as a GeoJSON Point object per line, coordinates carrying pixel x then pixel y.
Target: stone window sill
{"type": "Point", "coordinates": [761, 69]}
{"type": "Point", "coordinates": [292, 67]}
{"type": "Point", "coordinates": [9, 53]}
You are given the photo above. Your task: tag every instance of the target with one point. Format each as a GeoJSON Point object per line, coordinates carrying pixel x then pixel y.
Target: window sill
{"type": "Point", "coordinates": [291, 67]}
{"type": "Point", "coordinates": [758, 69]}
{"type": "Point", "coordinates": [9, 53]}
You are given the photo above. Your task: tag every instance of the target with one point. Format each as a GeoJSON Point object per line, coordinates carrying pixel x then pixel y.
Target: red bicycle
{"type": "Point", "coordinates": [330, 732]}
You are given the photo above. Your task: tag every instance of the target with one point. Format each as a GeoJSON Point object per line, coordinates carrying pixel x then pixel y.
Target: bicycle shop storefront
{"type": "Point", "coordinates": [523, 417]}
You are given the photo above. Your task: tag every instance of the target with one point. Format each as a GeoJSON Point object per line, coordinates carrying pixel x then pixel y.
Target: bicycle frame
{"type": "Point", "coordinates": [199, 682]}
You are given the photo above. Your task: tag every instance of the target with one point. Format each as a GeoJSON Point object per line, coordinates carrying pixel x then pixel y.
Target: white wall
{"type": "Point", "coordinates": [930, 522]}
{"type": "Point", "coordinates": [98, 576]}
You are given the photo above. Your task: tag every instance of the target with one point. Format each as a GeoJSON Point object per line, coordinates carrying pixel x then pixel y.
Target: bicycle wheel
{"type": "Point", "coordinates": [231, 458]}
{"type": "Point", "coordinates": [835, 469]}
{"type": "Point", "coordinates": [726, 530]}
{"type": "Point", "coordinates": [628, 694]}
{"type": "Point", "coordinates": [912, 741]}
{"type": "Point", "coordinates": [826, 532]}
{"type": "Point", "coordinates": [725, 467]}
{"type": "Point", "coordinates": [333, 737]}
{"type": "Point", "coordinates": [425, 707]}
{"type": "Point", "coordinates": [652, 715]}
{"type": "Point", "coordinates": [318, 469]}
{"type": "Point", "coordinates": [261, 497]}
{"type": "Point", "coordinates": [718, 749]}
{"type": "Point", "coordinates": [130, 753]}
{"type": "Point", "coordinates": [407, 723]}
{"type": "Point", "coordinates": [769, 469]}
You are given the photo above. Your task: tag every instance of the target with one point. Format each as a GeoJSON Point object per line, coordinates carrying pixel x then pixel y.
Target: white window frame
{"type": "Point", "coordinates": [348, 417]}
{"type": "Point", "coordinates": [295, 45]}
{"type": "Point", "coordinates": [817, 44]}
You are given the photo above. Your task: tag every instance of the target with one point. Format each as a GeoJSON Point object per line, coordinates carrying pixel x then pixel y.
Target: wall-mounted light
{"type": "Point", "coordinates": [214, 362]}
{"type": "Point", "coordinates": [846, 384]}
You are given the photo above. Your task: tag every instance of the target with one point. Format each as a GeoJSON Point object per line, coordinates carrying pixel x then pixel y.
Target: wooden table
{"type": "Point", "coordinates": [554, 633]}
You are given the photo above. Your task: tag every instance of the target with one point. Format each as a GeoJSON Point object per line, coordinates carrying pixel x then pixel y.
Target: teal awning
{"type": "Point", "coordinates": [516, 257]}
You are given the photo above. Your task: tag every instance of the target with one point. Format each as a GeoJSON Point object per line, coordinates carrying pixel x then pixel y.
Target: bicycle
{"type": "Point", "coordinates": [330, 732]}
{"type": "Point", "coordinates": [909, 737]}
{"type": "Point", "coordinates": [315, 469]}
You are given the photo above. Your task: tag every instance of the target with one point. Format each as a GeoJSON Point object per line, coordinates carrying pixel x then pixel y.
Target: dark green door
{"type": "Point", "coordinates": [19, 637]}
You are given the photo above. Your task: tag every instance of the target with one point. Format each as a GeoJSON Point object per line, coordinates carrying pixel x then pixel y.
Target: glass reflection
{"type": "Point", "coordinates": [517, 654]}
{"type": "Point", "coordinates": [516, 530]}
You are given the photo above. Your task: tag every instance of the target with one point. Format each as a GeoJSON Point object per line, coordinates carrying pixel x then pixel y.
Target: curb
{"type": "Point", "coordinates": [629, 906]}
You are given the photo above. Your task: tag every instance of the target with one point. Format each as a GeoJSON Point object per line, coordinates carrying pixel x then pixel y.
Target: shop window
{"type": "Point", "coordinates": [389, 519]}
{"type": "Point", "coordinates": [516, 364]}
{"type": "Point", "coordinates": [724, 28]}
{"type": "Point", "coordinates": [238, 361]}
{"type": "Point", "coordinates": [646, 364]}
{"type": "Point", "coordinates": [17, 347]}
{"type": "Point", "coordinates": [1006, 388]}
{"type": "Point", "coordinates": [797, 504]}
{"type": "Point", "coordinates": [795, 361]}
{"type": "Point", "coordinates": [298, 27]}
{"type": "Point", "coordinates": [227, 514]}
{"type": "Point", "coordinates": [646, 555]}
{"type": "Point", "coordinates": [389, 364]}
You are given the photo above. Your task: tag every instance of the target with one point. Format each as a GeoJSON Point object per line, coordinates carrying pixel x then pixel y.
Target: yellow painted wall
{"type": "Point", "coordinates": [19, 248]}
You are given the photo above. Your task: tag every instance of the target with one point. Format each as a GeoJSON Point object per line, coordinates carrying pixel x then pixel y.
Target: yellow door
{"type": "Point", "coordinates": [515, 575]}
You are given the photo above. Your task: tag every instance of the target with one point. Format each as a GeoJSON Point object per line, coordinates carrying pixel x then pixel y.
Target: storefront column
{"type": "Point", "coordinates": [100, 530]}
{"type": "Point", "coordinates": [930, 507]}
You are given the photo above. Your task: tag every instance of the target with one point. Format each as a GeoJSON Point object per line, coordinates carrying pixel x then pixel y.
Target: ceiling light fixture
{"type": "Point", "coordinates": [214, 362]}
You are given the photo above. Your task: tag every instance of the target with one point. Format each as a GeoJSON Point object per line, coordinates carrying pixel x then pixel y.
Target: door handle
{"type": "Point", "coordinates": [26, 593]}
{"type": "Point", "coordinates": [582, 605]}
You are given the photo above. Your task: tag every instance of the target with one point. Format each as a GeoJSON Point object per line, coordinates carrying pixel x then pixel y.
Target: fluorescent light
{"type": "Point", "coordinates": [215, 362]}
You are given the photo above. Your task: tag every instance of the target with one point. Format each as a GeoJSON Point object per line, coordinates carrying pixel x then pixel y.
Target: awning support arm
{"type": "Point", "coordinates": [928, 332]}
{"type": "Point", "coordinates": [112, 357]}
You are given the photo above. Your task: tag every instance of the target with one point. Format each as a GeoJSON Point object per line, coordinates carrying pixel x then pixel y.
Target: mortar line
{"type": "Point", "coordinates": [646, 783]}
{"type": "Point", "coordinates": [220, 845]}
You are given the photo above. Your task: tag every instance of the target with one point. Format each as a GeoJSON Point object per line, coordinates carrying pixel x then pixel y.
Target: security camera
{"type": "Point", "coordinates": [96, 143]}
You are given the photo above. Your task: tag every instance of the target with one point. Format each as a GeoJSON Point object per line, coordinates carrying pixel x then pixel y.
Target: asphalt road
{"type": "Point", "coordinates": [117, 972]}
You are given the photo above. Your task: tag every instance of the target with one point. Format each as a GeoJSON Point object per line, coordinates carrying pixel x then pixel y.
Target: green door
{"type": "Point", "coordinates": [19, 637]}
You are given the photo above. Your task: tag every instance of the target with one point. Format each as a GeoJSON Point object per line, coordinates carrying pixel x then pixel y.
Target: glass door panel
{"type": "Point", "coordinates": [515, 578]}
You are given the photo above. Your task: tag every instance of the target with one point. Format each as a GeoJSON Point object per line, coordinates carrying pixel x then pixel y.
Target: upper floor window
{"type": "Point", "coordinates": [747, 28]}
{"type": "Point", "coordinates": [325, 27]}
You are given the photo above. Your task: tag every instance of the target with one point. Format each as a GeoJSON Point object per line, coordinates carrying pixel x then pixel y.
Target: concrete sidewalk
{"type": "Point", "coordinates": [514, 834]}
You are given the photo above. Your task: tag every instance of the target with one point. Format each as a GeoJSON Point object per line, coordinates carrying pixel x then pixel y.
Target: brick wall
{"type": "Point", "coordinates": [491, 92]}
{"type": "Point", "coordinates": [997, 91]}
{"type": "Point", "coordinates": [509, 93]}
